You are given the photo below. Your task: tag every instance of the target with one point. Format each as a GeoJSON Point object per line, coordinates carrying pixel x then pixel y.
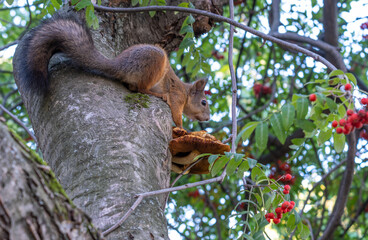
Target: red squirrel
{"type": "Point", "coordinates": [143, 68]}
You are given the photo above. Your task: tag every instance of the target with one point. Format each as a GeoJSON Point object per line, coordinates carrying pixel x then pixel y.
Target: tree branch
{"type": "Point", "coordinates": [343, 193]}
{"type": "Point", "coordinates": [217, 17]}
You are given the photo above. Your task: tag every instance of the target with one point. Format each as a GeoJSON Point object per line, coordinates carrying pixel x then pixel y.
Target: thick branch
{"type": "Point", "coordinates": [344, 189]}
{"type": "Point", "coordinates": [223, 19]}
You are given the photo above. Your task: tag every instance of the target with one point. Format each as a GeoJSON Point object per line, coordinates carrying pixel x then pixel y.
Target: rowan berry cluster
{"type": "Point", "coordinates": [313, 97]}
{"type": "Point", "coordinates": [285, 207]}
{"type": "Point", "coordinates": [282, 169]}
{"type": "Point", "coordinates": [352, 120]}
{"type": "Point", "coordinates": [260, 88]}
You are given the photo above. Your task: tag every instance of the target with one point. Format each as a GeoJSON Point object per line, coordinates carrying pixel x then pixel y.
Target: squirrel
{"type": "Point", "coordinates": [143, 68]}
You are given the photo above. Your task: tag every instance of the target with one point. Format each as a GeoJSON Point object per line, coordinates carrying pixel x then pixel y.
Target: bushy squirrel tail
{"type": "Point", "coordinates": [65, 33]}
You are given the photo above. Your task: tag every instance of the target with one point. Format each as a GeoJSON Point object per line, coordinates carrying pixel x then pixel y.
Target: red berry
{"type": "Point", "coordinates": [334, 124]}
{"type": "Point", "coordinates": [278, 210]}
{"type": "Point", "coordinates": [347, 87]}
{"type": "Point", "coordinates": [288, 177]}
{"type": "Point", "coordinates": [361, 113]}
{"type": "Point", "coordinates": [349, 112]}
{"type": "Point", "coordinates": [268, 220]}
{"type": "Point", "coordinates": [364, 101]}
{"type": "Point", "coordinates": [345, 131]}
{"type": "Point", "coordinates": [354, 118]}
{"type": "Point", "coordinates": [342, 122]}
{"type": "Point", "coordinates": [287, 187]}
{"type": "Point", "coordinates": [285, 191]}
{"type": "Point", "coordinates": [276, 220]}
{"type": "Point", "coordinates": [285, 205]}
{"type": "Point", "coordinates": [312, 97]}
{"type": "Point", "coordinates": [292, 203]}
{"type": "Point", "coordinates": [271, 215]}
{"type": "Point", "coordinates": [359, 125]}
{"type": "Point", "coordinates": [339, 130]}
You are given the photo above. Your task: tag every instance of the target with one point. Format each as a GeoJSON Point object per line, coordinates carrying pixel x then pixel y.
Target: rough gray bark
{"type": "Point", "coordinates": [102, 151]}
{"type": "Point", "coordinates": [32, 204]}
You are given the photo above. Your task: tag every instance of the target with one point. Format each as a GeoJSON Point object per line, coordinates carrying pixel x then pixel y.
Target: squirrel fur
{"type": "Point", "coordinates": [143, 68]}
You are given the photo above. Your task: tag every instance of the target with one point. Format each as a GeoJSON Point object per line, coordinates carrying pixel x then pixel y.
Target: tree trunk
{"type": "Point", "coordinates": [32, 203]}
{"type": "Point", "coordinates": [103, 149]}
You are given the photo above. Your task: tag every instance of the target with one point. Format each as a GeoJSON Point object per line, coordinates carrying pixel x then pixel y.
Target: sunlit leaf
{"type": "Point", "coordinates": [261, 136]}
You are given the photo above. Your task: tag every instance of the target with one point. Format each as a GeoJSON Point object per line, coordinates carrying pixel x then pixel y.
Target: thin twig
{"type": "Point", "coordinates": [220, 18]}
{"type": "Point", "coordinates": [178, 177]}
{"type": "Point", "coordinates": [19, 122]}
{"type": "Point", "coordinates": [157, 192]}
{"type": "Point", "coordinates": [234, 87]}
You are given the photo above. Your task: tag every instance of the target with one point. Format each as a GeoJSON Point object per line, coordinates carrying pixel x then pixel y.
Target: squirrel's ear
{"type": "Point", "coordinates": [199, 85]}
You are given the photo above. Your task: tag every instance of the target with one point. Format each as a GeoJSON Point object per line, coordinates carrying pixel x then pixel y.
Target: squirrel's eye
{"type": "Point", "coordinates": [204, 102]}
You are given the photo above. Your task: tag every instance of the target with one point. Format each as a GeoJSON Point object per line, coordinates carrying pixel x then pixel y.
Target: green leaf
{"type": "Point", "coordinates": [255, 174]}
{"type": "Point", "coordinates": [56, 4]}
{"type": "Point", "coordinates": [306, 125]}
{"type": "Point", "coordinates": [161, 2]}
{"type": "Point", "coordinates": [290, 225]}
{"type": "Point", "coordinates": [186, 59]}
{"type": "Point", "coordinates": [246, 131]}
{"type": "Point", "coordinates": [304, 230]}
{"type": "Point", "coordinates": [242, 169]}
{"type": "Point", "coordinates": [231, 167]}
{"type": "Point", "coordinates": [219, 164]}
{"type": "Point", "coordinates": [301, 108]}
{"type": "Point", "coordinates": [82, 4]}
{"type": "Point", "coordinates": [351, 77]}
{"type": "Point", "coordinates": [238, 156]}
{"type": "Point", "coordinates": [339, 142]}
{"type": "Point", "coordinates": [323, 136]}
{"type": "Point", "coordinates": [331, 104]}
{"type": "Point", "coordinates": [206, 67]}
{"type": "Point", "coordinates": [335, 73]}
{"type": "Point", "coordinates": [269, 200]}
{"type": "Point", "coordinates": [186, 43]}
{"type": "Point", "coordinates": [212, 158]}
{"type": "Point", "coordinates": [288, 115]}
{"type": "Point", "coordinates": [183, 4]}
{"type": "Point", "coordinates": [252, 162]}
{"type": "Point", "coordinates": [10, 2]}
{"type": "Point", "coordinates": [190, 19]}
{"type": "Point", "coordinates": [297, 217]}
{"type": "Point", "coordinates": [278, 129]}
{"type": "Point", "coordinates": [152, 13]}
{"type": "Point", "coordinates": [186, 29]}
{"type": "Point", "coordinates": [135, 2]}
{"type": "Point", "coordinates": [261, 136]}
{"type": "Point", "coordinates": [298, 141]}
{"type": "Point", "coordinates": [341, 110]}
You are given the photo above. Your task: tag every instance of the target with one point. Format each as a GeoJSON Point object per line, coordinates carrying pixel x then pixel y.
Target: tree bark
{"type": "Point", "coordinates": [330, 26]}
{"type": "Point", "coordinates": [32, 203]}
{"type": "Point", "coordinates": [104, 150]}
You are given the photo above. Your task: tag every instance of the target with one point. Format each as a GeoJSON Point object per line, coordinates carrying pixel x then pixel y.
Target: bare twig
{"type": "Point", "coordinates": [161, 191]}
{"type": "Point", "coordinates": [19, 122]}
{"type": "Point", "coordinates": [8, 45]}
{"type": "Point", "coordinates": [234, 87]}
